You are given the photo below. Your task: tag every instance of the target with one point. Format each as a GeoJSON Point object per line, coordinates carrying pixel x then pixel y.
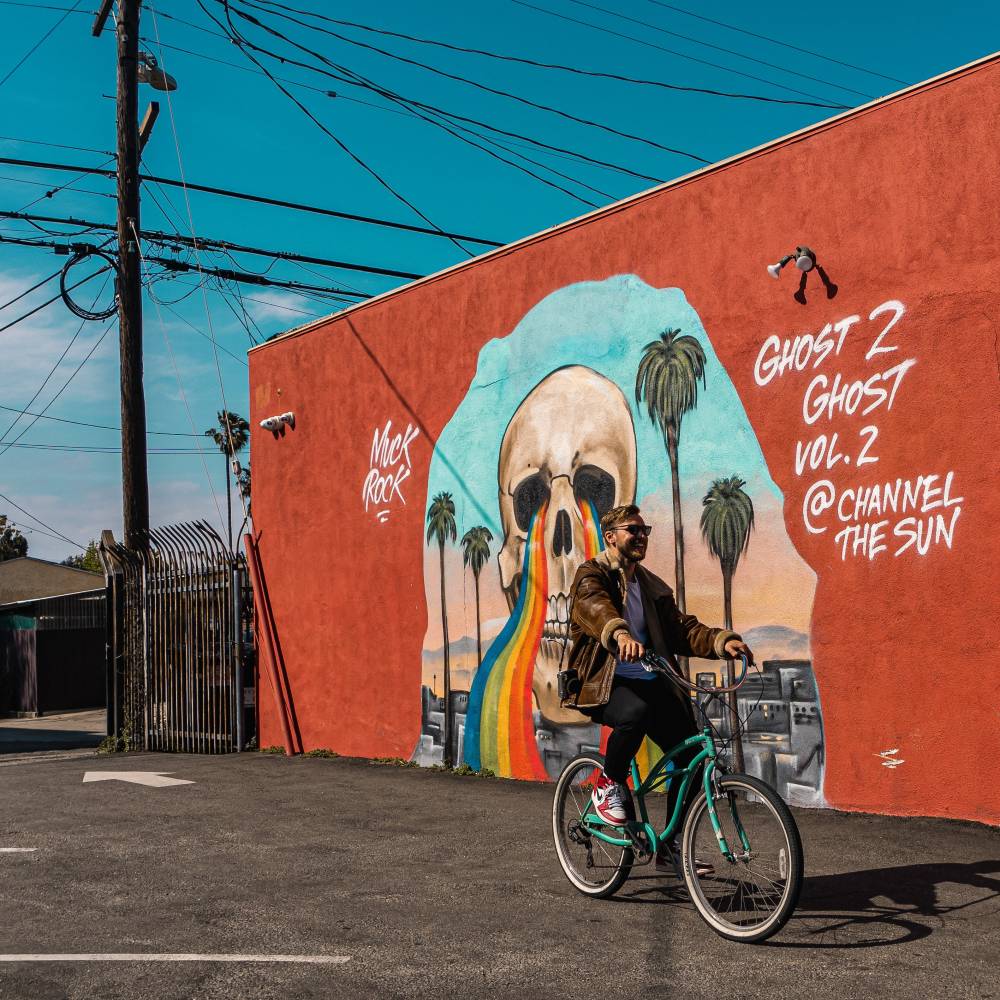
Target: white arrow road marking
{"type": "Point", "coordinates": [139, 957]}
{"type": "Point", "coordinates": [17, 850]}
{"type": "Point", "coordinates": [154, 779]}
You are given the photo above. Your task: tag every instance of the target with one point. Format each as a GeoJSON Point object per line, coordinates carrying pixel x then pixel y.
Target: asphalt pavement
{"type": "Point", "coordinates": [430, 884]}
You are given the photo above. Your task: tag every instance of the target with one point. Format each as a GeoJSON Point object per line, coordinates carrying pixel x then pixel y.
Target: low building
{"type": "Point", "coordinates": [27, 578]}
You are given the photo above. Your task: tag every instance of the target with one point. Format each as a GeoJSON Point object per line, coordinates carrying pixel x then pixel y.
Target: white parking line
{"type": "Point", "coordinates": [139, 957]}
{"type": "Point", "coordinates": [17, 850]}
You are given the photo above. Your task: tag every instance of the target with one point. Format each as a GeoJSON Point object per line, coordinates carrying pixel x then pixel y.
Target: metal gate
{"type": "Point", "coordinates": [177, 620]}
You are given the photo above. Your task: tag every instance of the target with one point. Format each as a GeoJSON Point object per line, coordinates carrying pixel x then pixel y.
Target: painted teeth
{"type": "Point", "coordinates": [558, 610]}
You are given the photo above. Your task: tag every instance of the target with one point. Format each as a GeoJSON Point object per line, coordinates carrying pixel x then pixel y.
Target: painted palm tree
{"type": "Point", "coordinates": [667, 379]}
{"type": "Point", "coordinates": [476, 550]}
{"type": "Point", "coordinates": [441, 528]}
{"type": "Point", "coordinates": [726, 523]}
{"type": "Point", "coordinates": [230, 437]}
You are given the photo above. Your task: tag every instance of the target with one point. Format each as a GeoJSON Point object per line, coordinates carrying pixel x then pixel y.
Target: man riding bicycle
{"type": "Point", "coordinates": [619, 609]}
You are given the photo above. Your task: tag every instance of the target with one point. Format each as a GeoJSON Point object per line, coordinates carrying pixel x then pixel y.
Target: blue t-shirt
{"type": "Point", "coordinates": [636, 618]}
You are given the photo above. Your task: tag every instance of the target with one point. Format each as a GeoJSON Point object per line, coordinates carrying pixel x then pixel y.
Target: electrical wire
{"type": "Point", "coordinates": [56, 145]}
{"type": "Point", "coordinates": [48, 302]}
{"type": "Point", "coordinates": [506, 57]}
{"type": "Point", "coordinates": [673, 52]}
{"type": "Point", "coordinates": [328, 132]}
{"type": "Point", "coordinates": [355, 79]}
{"type": "Point", "coordinates": [259, 199]}
{"type": "Point", "coordinates": [38, 520]}
{"type": "Point", "coordinates": [45, 381]}
{"type": "Point", "coordinates": [41, 41]}
{"type": "Point", "coordinates": [201, 333]}
{"type": "Point", "coordinates": [460, 79]}
{"type": "Point", "coordinates": [78, 258]}
{"type": "Point", "coordinates": [42, 184]}
{"type": "Point", "coordinates": [25, 529]}
{"type": "Point", "coordinates": [775, 41]}
{"type": "Point", "coordinates": [204, 242]}
{"type": "Point", "coordinates": [719, 48]}
{"type": "Point", "coordinates": [84, 423]}
{"type": "Point", "coordinates": [101, 449]}
{"type": "Point", "coordinates": [204, 295]}
{"type": "Point", "coordinates": [28, 291]}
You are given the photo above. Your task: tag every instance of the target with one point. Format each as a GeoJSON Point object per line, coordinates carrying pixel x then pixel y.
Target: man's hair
{"type": "Point", "coordinates": [618, 515]}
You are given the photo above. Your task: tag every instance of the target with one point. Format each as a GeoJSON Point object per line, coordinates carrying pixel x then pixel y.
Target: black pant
{"type": "Point", "coordinates": [639, 708]}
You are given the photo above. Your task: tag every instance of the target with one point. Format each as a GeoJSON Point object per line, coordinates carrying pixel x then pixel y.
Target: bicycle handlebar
{"type": "Point", "coordinates": [654, 663]}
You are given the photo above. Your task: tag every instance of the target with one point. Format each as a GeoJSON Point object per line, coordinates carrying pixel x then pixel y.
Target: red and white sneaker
{"type": "Point", "coordinates": [609, 801]}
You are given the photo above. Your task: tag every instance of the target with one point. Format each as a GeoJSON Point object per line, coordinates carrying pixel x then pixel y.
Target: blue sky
{"type": "Point", "coordinates": [234, 129]}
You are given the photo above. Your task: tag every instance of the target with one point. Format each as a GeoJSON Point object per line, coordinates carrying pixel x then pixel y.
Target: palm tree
{"type": "Point", "coordinates": [476, 546]}
{"type": "Point", "coordinates": [726, 523]}
{"type": "Point", "coordinates": [231, 437]}
{"type": "Point", "coordinates": [441, 528]}
{"type": "Point", "coordinates": [668, 377]}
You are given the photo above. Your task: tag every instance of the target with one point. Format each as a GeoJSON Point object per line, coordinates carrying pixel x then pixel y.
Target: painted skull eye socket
{"type": "Point", "coordinates": [529, 496]}
{"type": "Point", "coordinates": [596, 486]}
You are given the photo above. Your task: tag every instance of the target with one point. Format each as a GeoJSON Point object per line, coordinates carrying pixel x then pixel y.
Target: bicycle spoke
{"type": "Point", "coordinates": [744, 894]}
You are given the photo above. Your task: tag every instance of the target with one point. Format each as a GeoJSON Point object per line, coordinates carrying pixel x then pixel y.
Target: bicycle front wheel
{"type": "Point", "coordinates": [750, 898]}
{"type": "Point", "coordinates": [595, 867]}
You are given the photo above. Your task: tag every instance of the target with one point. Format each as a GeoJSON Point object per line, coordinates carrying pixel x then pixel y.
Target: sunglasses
{"type": "Point", "coordinates": [635, 530]}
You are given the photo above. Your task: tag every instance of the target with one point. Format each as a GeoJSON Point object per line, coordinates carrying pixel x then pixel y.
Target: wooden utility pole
{"type": "Point", "coordinates": [135, 486]}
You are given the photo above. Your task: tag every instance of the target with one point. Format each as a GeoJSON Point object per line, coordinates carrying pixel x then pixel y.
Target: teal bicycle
{"type": "Point", "coordinates": [740, 850]}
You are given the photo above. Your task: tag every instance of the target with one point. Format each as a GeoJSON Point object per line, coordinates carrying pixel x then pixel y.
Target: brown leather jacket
{"type": "Point", "coordinates": [598, 602]}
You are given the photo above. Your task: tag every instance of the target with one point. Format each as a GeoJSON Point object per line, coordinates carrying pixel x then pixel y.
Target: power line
{"type": "Point", "coordinates": [171, 264]}
{"type": "Point", "coordinates": [718, 48]}
{"type": "Point", "coordinates": [33, 288]}
{"type": "Point", "coordinates": [52, 372]}
{"type": "Point", "coordinates": [42, 184]}
{"type": "Point", "coordinates": [101, 449]}
{"type": "Point", "coordinates": [660, 48]}
{"type": "Point", "coordinates": [775, 41]}
{"type": "Point", "coordinates": [411, 103]}
{"type": "Point", "coordinates": [38, 520]}
{"type": "Point", "coordinates": [259, 199]}
{"type": "Point", "coordinates": [41, 41]}
{"type": "Point", "coordinates": [201, 333]}
{"type": "Point", "coordinates": [461, 79]}
{"type": "Point", "coordinates": [56, 145]}
{"type": "Point", "coordinates": [48, 302]}
{"type": "Point", "coordinates": [506, 57]}
{"type": "Point", "coordinates": [371, 171]}
{"type": "Point", "coordinates": [34, 531]}
{"type": "Point", "coordinates": [84, 423]}
{"type": "Point", "coordinates": [210, 244]}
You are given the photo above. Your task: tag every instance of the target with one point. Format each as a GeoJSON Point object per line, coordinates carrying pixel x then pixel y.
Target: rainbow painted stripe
{"type": "Point", "coordinates": [499, 724]}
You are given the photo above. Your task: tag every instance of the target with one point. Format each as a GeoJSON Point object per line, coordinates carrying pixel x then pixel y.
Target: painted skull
{"type": "Point", "coordinates": [571, 440]}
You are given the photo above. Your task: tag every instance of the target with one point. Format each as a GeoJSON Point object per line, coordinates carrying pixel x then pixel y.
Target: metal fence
{"type": "Point", "coordinates": [176, 641]}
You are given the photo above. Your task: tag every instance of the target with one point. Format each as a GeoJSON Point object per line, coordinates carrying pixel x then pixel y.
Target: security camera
{"type": "Point", "coordinates": [272, 424]}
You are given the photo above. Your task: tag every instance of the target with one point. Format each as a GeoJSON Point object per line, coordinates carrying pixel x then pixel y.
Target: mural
{"type": "Point", "coordinates": [580, 408]}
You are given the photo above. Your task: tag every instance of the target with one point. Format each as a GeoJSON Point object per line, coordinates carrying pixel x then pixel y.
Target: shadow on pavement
{"type": "Point", "coordinates": [65, 731]}
{"type": "Point", "coordinates": [885, 906]}
{"type": "Point", "coordinates": [862, 909]}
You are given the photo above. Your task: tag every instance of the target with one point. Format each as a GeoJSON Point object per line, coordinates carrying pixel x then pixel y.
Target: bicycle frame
{"type": "Point", "coordinates": [707, 756]}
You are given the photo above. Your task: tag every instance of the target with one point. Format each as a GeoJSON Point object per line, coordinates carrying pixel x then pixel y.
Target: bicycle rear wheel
{"type": "Point", "coordinates": [750, 898]}
{"type": "Point", "coordinates": [596, 868]}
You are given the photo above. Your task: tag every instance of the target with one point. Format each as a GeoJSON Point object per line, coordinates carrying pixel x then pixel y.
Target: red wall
{"type": "Point", "coordinates": [900, 202]}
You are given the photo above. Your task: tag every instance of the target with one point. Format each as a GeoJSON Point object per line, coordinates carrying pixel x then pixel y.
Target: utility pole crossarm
{"type": "Point", "coordinates": [101, 18]}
